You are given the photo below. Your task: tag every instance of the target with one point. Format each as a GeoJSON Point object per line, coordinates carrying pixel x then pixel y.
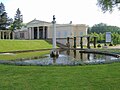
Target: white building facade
{"type": "Point", "coordinates": [43, 30]}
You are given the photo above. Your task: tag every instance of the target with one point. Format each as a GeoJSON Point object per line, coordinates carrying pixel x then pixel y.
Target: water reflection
{"type": "Point", "coordinates": [88, 56]}
{"type": "Point", "coordinates": [69, 57]}
{"type": "Point", "coordinates": [74, 53]}
{"type": "Point", "coordinates": [81, 56]}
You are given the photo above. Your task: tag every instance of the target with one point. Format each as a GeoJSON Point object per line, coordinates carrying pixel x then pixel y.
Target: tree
{"type": "Point", "coordinates": [99, 28]}
{"type": "Point", "coordinates": [18, 19]}
{"type": "Point", "coordinates": [116, 38]}
{"type": "Point", "coordinates": [108, 5]}
{"type": "Point", "coordinates": [2, 8]}
{"type": "Point", "coordinates": [3, 16]}
{"type": "Point", "coordinates": [4, 20]}
{"type": "Point", "coordinates": [102, 28]}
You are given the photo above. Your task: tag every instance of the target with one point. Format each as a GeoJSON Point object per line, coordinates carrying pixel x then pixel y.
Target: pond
{"type": "Point", "coordinates": [69, 57]}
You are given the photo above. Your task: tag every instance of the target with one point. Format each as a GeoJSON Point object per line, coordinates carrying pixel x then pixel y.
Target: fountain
{"type": "Point", "coordinates": [54, 52]}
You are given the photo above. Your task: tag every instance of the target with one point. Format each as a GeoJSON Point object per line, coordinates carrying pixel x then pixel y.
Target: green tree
{"type": "Point", "coordinates": [102, 28]}
{"type": "Point", "coordinates": [18, 19]}
{"type": "Point", "coordinates": [4, 20]}
{"type": "Point", "coordinates": [116, 38]}
{"type": "Point", "coordinates": [108, 5]}
{"type": "Point", "coordinates": [98, 28]}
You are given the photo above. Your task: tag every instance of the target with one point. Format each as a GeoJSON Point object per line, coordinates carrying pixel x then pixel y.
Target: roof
{"type": "Point", "coordinates": [37, 22]}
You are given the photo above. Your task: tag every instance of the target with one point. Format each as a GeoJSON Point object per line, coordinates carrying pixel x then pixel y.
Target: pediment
{"type": "Point", "coordinates": [37, 22]}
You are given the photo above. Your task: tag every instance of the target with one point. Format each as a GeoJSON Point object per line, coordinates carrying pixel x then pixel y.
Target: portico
{"type": "Point", "coordinates": [38, 29]}
{"type": "Point", "coordinates": [39, 32]}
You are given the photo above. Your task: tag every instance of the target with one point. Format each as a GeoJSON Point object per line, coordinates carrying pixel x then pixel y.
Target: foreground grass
{"type": "Point", "coordinates": [92, 77]}
{"type": "Point", "coordinates": [16, 45]}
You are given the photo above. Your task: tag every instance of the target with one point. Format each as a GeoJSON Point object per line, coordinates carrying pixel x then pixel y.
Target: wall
{"type": "Point", "coordinates": [69, 30]}
{"type": "Point", "coordinates": [80, 30]}
{"type": "Point", "coordinates": [62, 31]}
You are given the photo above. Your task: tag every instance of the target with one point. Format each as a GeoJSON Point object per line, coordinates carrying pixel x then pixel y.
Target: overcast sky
{"type": "Point", "coordinates": [77, 11]}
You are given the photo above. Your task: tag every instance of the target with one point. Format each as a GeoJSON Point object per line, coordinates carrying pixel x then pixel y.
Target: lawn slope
{"type": "Point", "coordinates": [16, 45]}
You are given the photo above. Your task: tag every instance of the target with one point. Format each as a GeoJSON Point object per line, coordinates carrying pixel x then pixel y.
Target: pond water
{"type": "Point", "coordinates": [70, 57]}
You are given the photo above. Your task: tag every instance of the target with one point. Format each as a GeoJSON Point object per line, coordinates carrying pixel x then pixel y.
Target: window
{"type": "Point", "coordinates": [58, 34]}
{"type": "Point", "coordinates": [81, 33]}
{"type": "Point", "coordinates": [22, 35]}
{"type": "Point", "coordinates": [65, 34]}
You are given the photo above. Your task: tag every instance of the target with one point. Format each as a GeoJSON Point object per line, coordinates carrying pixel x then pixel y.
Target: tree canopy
{"type": "Point", "coordinates": [99, 30]}
{"type": "Point", "coordinates": [102, 28]}
{"type": "Point", "coordinates": [5, 21]}
{"type": "Point", "coordinates": [8, 23]}
{"type": "Point", "coordinates": [108, 5]}
{"type": "Point", "coordinates": [18, 19]}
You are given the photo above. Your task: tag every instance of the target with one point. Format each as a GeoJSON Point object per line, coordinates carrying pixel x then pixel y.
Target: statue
{"type": "Point", "coordinates": [53, 17]}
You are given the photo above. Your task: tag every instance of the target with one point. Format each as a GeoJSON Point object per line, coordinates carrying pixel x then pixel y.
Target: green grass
{"type": "Point", "coordinates": [92, 77]}
{"type": "Point", "coordinates": [16, 45]}
{"type": "Point", "coordinates": [24, 55]}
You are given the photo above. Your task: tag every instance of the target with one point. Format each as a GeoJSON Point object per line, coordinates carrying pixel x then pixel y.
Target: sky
{"type": "Point", "coordinates": [77, 11]}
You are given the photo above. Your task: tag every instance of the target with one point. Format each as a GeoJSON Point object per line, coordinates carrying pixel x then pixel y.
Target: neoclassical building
{"type": "Point", "coordinates": [37, 29]}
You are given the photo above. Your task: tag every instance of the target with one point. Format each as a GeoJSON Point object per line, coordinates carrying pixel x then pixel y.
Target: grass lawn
{"type": "Point", "coordinates": [15, 45]}
{"type": "Point", "coordinates": [91, 77]}
{"type": "Point", "coordinates": [24, 55]}
{"type": "Point", "coordinates": [18, 45]}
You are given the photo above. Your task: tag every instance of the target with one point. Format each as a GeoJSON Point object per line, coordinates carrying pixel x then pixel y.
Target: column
{"type": "Point", "coordinates": [3, 34]}
{"type": "Point", "coordinates": [38, 33]}
{"type": "Point", "coordinates": [9, 35]}
{"type": "Point", "coordinates": [28, 34]}
{"type": "Point", "coordinates": [43, 32]}
{"type": "Point", "coordinates": [88, 42]}
{"type": "Point", "coordinates": [32, 33]}
{"type": "Point", "coordinates": [13, 35]}
{"type": "Point", "coordinates": [81, 42]}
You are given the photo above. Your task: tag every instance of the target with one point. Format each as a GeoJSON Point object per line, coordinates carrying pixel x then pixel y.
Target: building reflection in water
{"type": "Point", "coordinates": [84, 56]}
{"type": "Point", "coordinates": [74, 53]}
{"type": "Point", "coordinates": [81, 56]}
{"type": "Point", "coordinates": [88, 56]}
{"type": "Point", "coordinates": [68, 52]}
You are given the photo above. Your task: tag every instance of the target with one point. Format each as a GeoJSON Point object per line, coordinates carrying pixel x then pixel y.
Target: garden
{"type": "Point", "coordinates": [85, 77]}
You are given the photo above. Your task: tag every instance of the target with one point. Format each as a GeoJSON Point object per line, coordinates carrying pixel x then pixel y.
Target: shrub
{"type": "Point", "coordinates": [98, 45]}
